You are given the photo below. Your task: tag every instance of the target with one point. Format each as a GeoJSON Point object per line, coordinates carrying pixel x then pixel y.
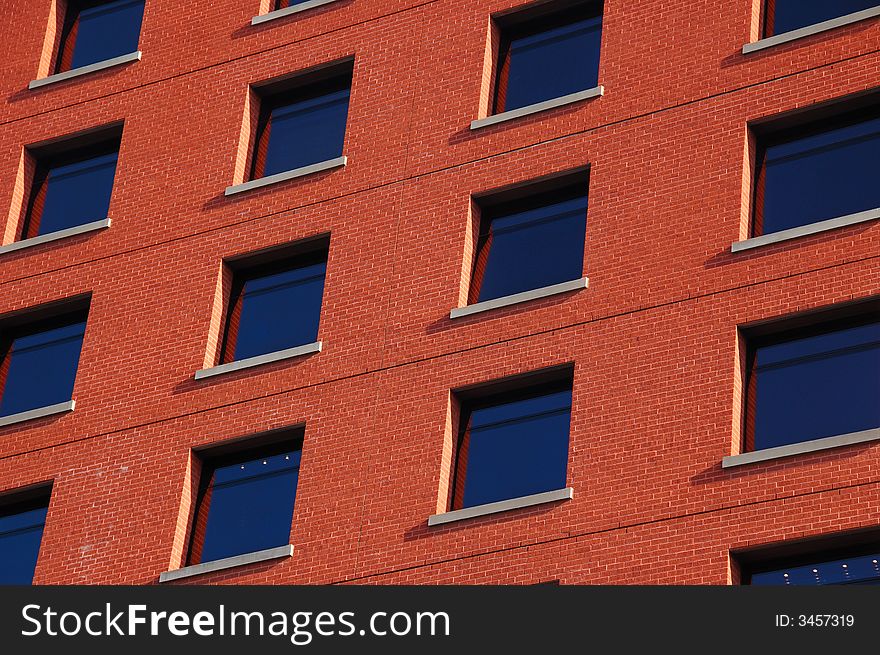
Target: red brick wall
{"type": "Point", "coordinates": [657, 392]}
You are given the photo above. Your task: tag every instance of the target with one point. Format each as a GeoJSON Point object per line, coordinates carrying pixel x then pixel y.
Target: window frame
{"type": "Point", "coordinates": [768, 15]}
{"type": "Point", "coordinates": [18, 501]}
{"type": "Point", "coordinates": [804, 552]}
{"type": "Point", "coordinates": [276, 12]}
{"type": "Point", "coordinates": [528, 22]}
{"type": "Point", "coordinates": [308, 86]}
{"type": "Point", "coordinates": [253, 268]}
{"type": "Point", "coordinates": [807, 126]}
{"type": "Point", "coordinates": [10, 333]}
{"type": "Point", "coordinates": [69, 34]}
{"type": "Point", "coordinates": [813, 29]}
{"type": "Point", "coordinates": [502, 392]}
{"type": "Point", "coordinates": [528, 197]}
{"type": "Point", "coordinates": [39, 184]}
{"type": "Point", "coordinates": [788, 331]}
{"type": "Point", "coordinates": [214, 458]}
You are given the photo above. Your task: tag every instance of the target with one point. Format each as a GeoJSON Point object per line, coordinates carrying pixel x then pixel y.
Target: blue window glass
{"type": "Point", "coordinates": [817, 385]}
{"type": "Point", "coordinates": [245, 503]}
{"type": "Point", "coordinates": [97, 31]}
{"type": "Point", "coordinates": [548, 58]}
{"type": "Point", "coordinates": [530, 244]}
{"type": "Point", "coordinates": [301, 128]}
{"type": "Point", "coordinates": [39, 365]}
{"type": "Point", "coordinates": [71, 192]}
{"type": "Point", "coordinates": [275, 308]}
{"type": "Point", "coordinates": [818, 173]}
{"type": "Point", "coordinates": [513, 446]}
{"type": "Point", "coordinates": [21, 530]}
{"type": "Point", "coordinates": [787, 15]}
{"type": "Point", "coordinates": [856, 570]}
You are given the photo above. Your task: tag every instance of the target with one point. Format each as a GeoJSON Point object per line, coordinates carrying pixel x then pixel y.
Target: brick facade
{"type": "Point", "coordinates": [654, 343]}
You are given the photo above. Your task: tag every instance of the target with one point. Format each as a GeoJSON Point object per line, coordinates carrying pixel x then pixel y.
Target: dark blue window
{"type": "Point", "coordinates": [21, 529]}
{"type": "Point", "coordinates": [855, 570]}
{"type": "Point", "coordinates": [245, 503]}
{"type": "Point", "coordinates": [275, 307]}
{"type": "Point", "coordinates": [549, 57]}
{"type": "Point", "coordinates": [817, 173]}
{"type": "Point", "coordinates": [786, 15]}
{"type": "Point", "coordinates": [97, 31]}
{"type": "Point", "coordinates": [302, 127]}
{"type": "Point", "coordinates": [512, 445]}
{"type": "Point", "coordinates": [39, 364]}
{"type": "Point", "coordinates": [530, 244]}
{"type": "Point", "coordinates": [815, 384]}
{"type": "Point", "coordinates": [70, 191]}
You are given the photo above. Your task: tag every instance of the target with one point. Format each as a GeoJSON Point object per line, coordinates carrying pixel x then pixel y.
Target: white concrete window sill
{"type": "Point", "coordinates": [501, 506]}
{"type": "Point", "coordinates": [805, 230]}
{"type": "Point", "coordinates": [85, 70]}
{"type": "Point", "coordinates": [810, 30]}
{"type": "Point", "coordinates": [538, 107]}
{"type": "Point", "coordinates": [517, 298]}
{"type": "Point", "coordinates": [337, 162]}
{"type": "Point", "coordinates": [227, 563]}
{"type": "Point", "coordinates": [40, 412]}
{"type": "Point", "coordinates": [55, 236]}
{"type": "Point", "coordinates": [259, 360]}
{"type": "Point", "coordinates": [289, 11]}
{"type": "Point", "coordinates": [770, 454]}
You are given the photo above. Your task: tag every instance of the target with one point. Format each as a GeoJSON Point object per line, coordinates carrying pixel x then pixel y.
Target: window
{"type": "Point", "coordinates": [71, 189]}
{"type": "Point", "coordinates": [817, 172]}
{"type": "Point", "coordinates": [39, 362]}
{"type": "Point", "coordinates": [782, 16]}
{"type": "Point", "coordinates": [274, 306]}
{"type": "Point", "coordinates": [284, 4]}
{"type": "Point", "coordinates": [282, 8]}
{"type": "Point", "coordinates": [862, 570]}
{"type": "Point", "coordinates": [21, 530]}
{"type": "Point", "coordinates": [530, 243]}
{"type": "Point", "coordinates": [96, 31]}
{"type": "Point", "coordinates": [814, 382]}
{"type": "Point", "coordinates": [512, 444]}
{"type": "Point", "coordinates": [301, 127]}
{"type": "Point", "coordinates": [245, 502]}
{"type": "Point", "coordinates": [851, 558]}
{"type": "Point", "coordinates": [547, 56]}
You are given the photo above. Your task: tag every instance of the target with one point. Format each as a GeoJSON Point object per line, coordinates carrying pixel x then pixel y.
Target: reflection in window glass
{"type": "Point", "coordinates": [549, 58]}
{"type": "Point", "coordinates": [513, 446]}
{"type": "Point", "coordinates": [39, 365]}
{"type": "Point", "coordinates": [786, 15]}
{"type": "Point", "coordinates": [818, 173]}
{"type": "Point", "coordinates": [97, 31]}
{"type": "Point", "coordinates": [530, 244]}
{"type": "Point", "coordinates": [863, 570]}
{"type": "Point", "coordinates": [814, 386]}
{"type": "Point", "coordinates": [245, 504]}
{"type": "Point", "coordinates": [21, 530]}
{"type": "Point", "coordinates": [275, 308]}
